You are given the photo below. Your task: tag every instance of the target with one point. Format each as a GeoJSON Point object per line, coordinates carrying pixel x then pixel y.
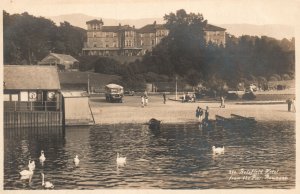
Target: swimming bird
{"type": "Point", "coordinates": [26, 173]}
{"type": "Point", "coordinates": [76, 160]}
{"type": "Point", "coordinates": [218, 150]}
{"type": "Point", "coordinates": [31, 165]}
{"type": "Point", "coordinates": [121, 160]}
{"type": "Point", "coordinates": [47, 185]}
{"type": "Point", "coordinates": [42, 157]}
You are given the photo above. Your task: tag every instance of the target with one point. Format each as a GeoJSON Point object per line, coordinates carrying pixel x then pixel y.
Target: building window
{"type": "Point", "coordinates": [106, 45]}
{"type": "Point", "coordinates": [14, 97]}
{"type": "Point", "coordinates": [24, 96]}
{"type": "Point", "coordinates": [95, 44]}
{"type": "Point", "coordinates": [94, 34]}
{"type": "Point", "coordinates": [153, 42]}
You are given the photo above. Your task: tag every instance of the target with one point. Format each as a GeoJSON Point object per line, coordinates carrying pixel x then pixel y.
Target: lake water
{"type": "Point", "coordinates": [179, 156]}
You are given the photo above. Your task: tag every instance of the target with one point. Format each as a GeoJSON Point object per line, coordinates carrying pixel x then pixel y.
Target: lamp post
{"type": "Point", "coordinates": [88, 83]}
{"type": "Point", "coordinates": [176, 88]}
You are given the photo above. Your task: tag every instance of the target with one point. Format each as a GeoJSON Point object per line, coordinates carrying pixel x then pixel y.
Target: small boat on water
{"type": "Point", "coordinates": [154, 124]}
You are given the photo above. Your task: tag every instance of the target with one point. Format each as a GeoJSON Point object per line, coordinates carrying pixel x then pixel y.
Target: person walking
{"type": "Point", "coordinates": [164, 97]}
{"type": "Point", "coordinates": [146, 98]}
{"type": "Point", "coordinates": [143, 101]}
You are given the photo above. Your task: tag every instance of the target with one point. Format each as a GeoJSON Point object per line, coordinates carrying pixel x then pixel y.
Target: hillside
{"type": "Point", "coordinates": [271, 30]}
{"type": "Point", "coordinates": [81, 19]}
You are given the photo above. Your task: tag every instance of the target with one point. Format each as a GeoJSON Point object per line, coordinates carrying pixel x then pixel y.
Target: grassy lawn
{"type": "Point", "coordinates": [79, 80]}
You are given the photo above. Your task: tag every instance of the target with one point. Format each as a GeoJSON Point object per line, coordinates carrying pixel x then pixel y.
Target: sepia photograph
{"type": "Point", "coordinates": [133, 95]}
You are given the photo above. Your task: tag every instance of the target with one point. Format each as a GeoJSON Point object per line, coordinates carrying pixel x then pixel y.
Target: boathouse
{"type": "Point", "coordinates": [61, 61]}
{"type": "Point", "coordinates": [32, 96]}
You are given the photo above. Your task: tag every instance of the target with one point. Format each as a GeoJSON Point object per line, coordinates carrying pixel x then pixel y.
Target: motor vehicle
{"type": "Point", "coordinates": [114, 93]}
{"type": "Point", "coordinates": [129, 93]}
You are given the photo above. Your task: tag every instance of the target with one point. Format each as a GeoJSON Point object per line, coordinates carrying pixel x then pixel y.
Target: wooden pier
{"type": "Point", "coordinates": [19, 119]}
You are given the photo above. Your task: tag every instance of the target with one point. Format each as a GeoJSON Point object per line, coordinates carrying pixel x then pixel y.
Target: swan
{"type": "Point", "coordinates": [218, 150]}
{"type": "Point", "coordinates": [76, 160]}
{"type": "Point", "coordinates": [42, 157]}
{"type": "Point", "coordinates": [121, 160]}
{"type": "Point", "coordinates": [47, 185]}
{"type": "Point", "coordinates": [31, 165]}
{"type": "Point", "coordinates": [26, 173]}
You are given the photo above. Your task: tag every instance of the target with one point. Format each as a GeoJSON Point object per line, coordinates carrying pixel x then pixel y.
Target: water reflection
{"type": "Point", "coordinates": [175, 157]}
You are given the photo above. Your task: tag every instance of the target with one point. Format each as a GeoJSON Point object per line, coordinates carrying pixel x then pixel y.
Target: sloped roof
{"type": "Point", "coordinates": [210, 27]}
{"type": "Point", "coordinates": [110, 28]}
{"type": "Point", "coordinates": [74, 94]}
{"type": "Point", "coordinates": [63, 57]}
{"type": "Point", "coordinates": [94, 21]}
{"type": "Point", "coordinates": [151, 28]}
{"type": "Point", "coordinates": [31, 77]}
{"type": "Point", "coordinates": [114, 86]}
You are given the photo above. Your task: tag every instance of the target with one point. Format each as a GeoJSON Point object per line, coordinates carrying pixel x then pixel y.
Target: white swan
{"type": "Point", "coordinates": [121, 160]}
{"type": "Point", "coordinates": [31, 165]}
{"type": "Point", "coordinates": [47, 185]}
{"type": "Point", "coordinates": [26, 173]}
{"type": "Point", "coordinates": [76, 160]}
{"type": "Point", "coordinates": [218, 150]}
{"type": "Point", "coordinates": [42, 157]}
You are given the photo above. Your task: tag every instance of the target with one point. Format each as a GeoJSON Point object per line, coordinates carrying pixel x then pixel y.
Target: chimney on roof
{"type": "Point", "coordinates": [133, 27]}
{"type": "Point", "coordinates": [119, 24]}
{"type": "Point", "coordinates": [154, 22]}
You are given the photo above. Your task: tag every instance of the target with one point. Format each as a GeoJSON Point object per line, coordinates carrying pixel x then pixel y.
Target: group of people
{"type": "Point", "coordinates": [144, 99]}
{"type": "Point", "coordinates": [188, 98]}
{"type": "Point", "coordinates": [200, 112]}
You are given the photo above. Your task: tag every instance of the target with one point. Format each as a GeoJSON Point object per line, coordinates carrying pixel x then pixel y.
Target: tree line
{"type": "Point", "coordinates": [28, 39]}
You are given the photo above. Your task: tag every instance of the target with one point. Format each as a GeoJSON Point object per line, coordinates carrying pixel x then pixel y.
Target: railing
{"type": "Point", "coordinates": [31, 106]}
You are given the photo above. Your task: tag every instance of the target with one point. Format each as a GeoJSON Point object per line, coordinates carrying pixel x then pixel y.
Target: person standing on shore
{"type": "Point", "coordinates": [143, 101]}
{"type": "Point", "coordinates": [206, 115]}
{"type": "Point", "coordinates": [294, 104]}
{"type": "Point", "coordinates": [199, 113]}
{"type": "Point", "coordinates": [222, 102]}
{"type": "Point", "coordinates": [164, 96]}
{"type": "Point", "coordinates": [289, 103]}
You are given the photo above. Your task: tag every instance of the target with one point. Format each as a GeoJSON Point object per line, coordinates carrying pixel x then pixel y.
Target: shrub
{"type": "Point", "coordinates": [249, 96]}
{"type": "Point", "coordinates": [286, 77]}
{"type": "Point", "coordinates": [275, 77]}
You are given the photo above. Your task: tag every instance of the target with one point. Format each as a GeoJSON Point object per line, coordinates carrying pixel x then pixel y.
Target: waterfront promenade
{"type": "Point", "coordinates": [176, 112]}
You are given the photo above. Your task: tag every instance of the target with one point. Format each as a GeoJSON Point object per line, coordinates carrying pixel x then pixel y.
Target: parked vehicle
{"type": "Point", "coordinates": [129, 93]}
{"type": "Point", "coordinates": [114, 93]}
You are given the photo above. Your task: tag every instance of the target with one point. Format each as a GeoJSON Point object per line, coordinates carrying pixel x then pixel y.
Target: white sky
{"type": "Point", "coordinates": [216, 11]}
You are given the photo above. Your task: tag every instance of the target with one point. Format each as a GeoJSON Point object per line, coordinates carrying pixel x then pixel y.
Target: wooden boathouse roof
{"type": "Point", "coordinates": [31, 77]}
